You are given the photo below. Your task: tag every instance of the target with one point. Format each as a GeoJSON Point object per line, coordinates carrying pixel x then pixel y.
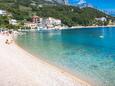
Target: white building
{"type": "Point", "coordinates": [13, 21]}
{"type": "Point", "coordinates": [50, 23]}
{"type": "Point", "coordinates": [101, 19]}
{"type": "Point", "coordinates": [3, 12]}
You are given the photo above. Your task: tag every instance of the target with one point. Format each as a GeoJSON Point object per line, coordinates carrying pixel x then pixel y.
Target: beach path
{"type": "Point", "coordinates": [19, 68]}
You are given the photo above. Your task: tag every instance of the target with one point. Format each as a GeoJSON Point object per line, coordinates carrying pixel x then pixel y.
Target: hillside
{"type": "Point", "coordinates": [70, 15]}
{"type": "Point", "coordinates": [28, 2]}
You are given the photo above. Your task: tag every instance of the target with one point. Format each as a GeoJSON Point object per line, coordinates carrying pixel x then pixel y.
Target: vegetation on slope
{"type": "Point", "coordinates": [70, 15]}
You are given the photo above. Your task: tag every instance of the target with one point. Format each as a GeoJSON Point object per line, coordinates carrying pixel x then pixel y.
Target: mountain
{"type": "Point", "coordinates": [36, 1]}
{"type": "Point", "coordinates": [83, 4]}
{"type": "Point", "coordinates": [110, 12]}
{"type": "Point", "coordinates": [58, 1]}
{"type": "Point", "coordinates": [22, 10]}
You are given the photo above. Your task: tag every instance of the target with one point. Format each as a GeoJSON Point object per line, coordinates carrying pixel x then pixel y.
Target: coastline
{"type": "Point", "coordinates": [79, 27]}
{"type": "Point", "coordinates": [68, 28]}
{"type": "Point", "coordinates": [28, 70]}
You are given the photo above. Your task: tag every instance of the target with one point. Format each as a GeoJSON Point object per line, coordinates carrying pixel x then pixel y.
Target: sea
{"type": "Point", "coordinates": [87, 53]}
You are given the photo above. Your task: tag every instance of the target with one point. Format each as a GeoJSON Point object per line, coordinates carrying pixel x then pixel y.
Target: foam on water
{"type": "Point", "coordinates": [82, 51]}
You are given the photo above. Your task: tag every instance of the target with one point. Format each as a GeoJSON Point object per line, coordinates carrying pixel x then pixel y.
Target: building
{"type": "Point", "coordinates": [50, 23]}
{"type": "Point", "coordinates": [31, 25]}
{"type": "Point", "coordinates": [43, 23]}
{"type": "Point", "coordinates": [35, 19]}
{"type": "Point", "coordinates": [34, 23]}
{"type": "Point", "coordinates": [3, 12]}
{"type": "Point", "coordinates": [101, 19]}
{"type": "Point", "coordinates": [13, 21]}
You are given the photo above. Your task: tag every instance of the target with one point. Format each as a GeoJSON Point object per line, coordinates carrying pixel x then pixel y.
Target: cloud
{"type": "Point", "coordinates": [81, 2]}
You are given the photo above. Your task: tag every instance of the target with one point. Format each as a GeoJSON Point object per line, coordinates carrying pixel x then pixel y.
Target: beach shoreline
{"type": "Point", "coordinates": [39, 72]}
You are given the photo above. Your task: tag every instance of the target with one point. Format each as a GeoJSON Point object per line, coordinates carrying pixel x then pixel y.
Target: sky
{"type": "Point", "coordinates": [102, 4]}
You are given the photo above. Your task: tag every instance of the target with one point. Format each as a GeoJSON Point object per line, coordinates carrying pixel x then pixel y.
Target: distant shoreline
{"type": "Point", "coordinates": [67, 28]}
{"type": "Point", "coordinates": [79, 27]}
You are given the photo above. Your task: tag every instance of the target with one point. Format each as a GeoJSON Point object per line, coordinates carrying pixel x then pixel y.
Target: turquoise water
{"type": "Point", "coordinates": [88, 53]}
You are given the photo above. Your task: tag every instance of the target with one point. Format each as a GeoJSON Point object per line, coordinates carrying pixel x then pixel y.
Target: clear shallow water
{"type": "Point", "coordinates": [89, 53]}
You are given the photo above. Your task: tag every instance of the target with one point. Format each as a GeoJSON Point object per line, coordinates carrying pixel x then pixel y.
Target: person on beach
{"type": "Point", "coordinates": [6, 41]}
{"type": "Point", "coordinates": [9, 40]}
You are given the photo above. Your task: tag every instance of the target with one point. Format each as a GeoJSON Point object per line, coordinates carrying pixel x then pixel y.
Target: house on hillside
{"type": "Point", "coordinates": [3, 12]}
{"type": "Point", "coordinates": [31, 25]}
{"type": "Point", "coordinates": [51, 23]}
{"type": "Point", "coordinates": [43, 23]}
{"type": "Point", "coordinates": [34, 23]}
{"type": "Point", "coordinates": [35, 19]}
{"type": "Point", "coordinates": [13, 21]}
{"type": "Point", "coordinates": [101, 19]}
